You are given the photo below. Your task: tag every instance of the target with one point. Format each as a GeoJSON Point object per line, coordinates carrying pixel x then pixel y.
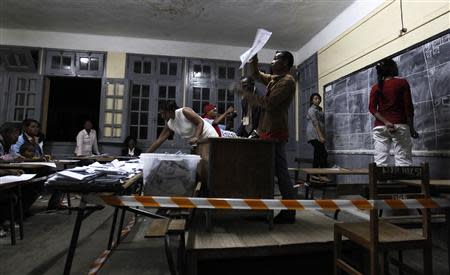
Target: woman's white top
{"type": "Point", "coordinates": [186, 129]}
{"type": "Point", "coordinates": [86, 143]}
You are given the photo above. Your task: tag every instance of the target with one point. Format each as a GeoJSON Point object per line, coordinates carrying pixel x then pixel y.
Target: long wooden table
{"type": "Point", "coordinates": [328, 171]}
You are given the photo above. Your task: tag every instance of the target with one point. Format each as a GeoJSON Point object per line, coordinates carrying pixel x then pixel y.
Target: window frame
{"type": "Point", "coordinates": [103, 110]}
{"type": "Point", "coordinates": [89, 72]}
{"type": "Point", "coordinates": [12, 80]}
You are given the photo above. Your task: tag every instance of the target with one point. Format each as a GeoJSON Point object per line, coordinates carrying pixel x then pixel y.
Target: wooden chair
{"type": "Point", "coordinates": [378, 236]}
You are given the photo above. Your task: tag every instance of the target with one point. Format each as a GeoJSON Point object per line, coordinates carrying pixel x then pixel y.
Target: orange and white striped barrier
{"type": "Point", "coordinates": [273, 204]}
{"type": "Point", "coordinates": [98, 263]}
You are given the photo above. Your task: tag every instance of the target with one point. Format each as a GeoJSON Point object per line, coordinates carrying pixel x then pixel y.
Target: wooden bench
{"type": "Point", "coordinates": [174, 226]}
{"type": "Point", "coordinates": [309, 182]}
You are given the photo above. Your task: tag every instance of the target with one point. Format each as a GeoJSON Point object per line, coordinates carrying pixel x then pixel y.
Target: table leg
{"type": "Point", "coordinates": [119, 231]}
{"type": "Point", "coordinates": [447, 221]}
{"type": "Point", "coordinates": [12, 222]}
{"type": "Point", "coordinates": [74, 240]}
{"type": "Point", "coordinates": [308, 177]}
{"type": "Point", "coordinates": [69, 203]}
{"type": "Point", "coordinates": [113, 227]}
{"type": "Point", "coordinates": [19, 205]}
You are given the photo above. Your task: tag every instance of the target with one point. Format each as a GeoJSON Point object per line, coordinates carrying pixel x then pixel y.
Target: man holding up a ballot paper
{"type": "Point", "coordinates": [273, 123]}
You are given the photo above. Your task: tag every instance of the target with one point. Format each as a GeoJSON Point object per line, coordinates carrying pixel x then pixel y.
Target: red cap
{"type": "Point", "coordinates": [208, 107]}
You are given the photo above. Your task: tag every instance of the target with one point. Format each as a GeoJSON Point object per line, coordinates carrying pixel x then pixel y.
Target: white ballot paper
{"type": "Point", "coordinates": [261, 38]}
{"type": "Point", "coordinates": [9, 179]}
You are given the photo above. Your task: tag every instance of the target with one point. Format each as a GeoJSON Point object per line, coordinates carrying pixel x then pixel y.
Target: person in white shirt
{"type": "Point", "coordinates": [87, 141]}
{"type": "Point", "coordinates": [184, 122]}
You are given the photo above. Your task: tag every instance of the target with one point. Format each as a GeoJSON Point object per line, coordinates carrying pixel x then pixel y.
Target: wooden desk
{"type": "Point", "coordinates": [237, 168]}
{"type": "Point", "coordinates": [9, 188]}
{"type": "Point", "coordinates": [329, 171]}
{"type": "Point", "coordinates": [27, 165]}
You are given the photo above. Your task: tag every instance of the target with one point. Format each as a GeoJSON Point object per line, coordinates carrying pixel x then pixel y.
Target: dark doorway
{"type": "Point", "coordinates": [71, 101]}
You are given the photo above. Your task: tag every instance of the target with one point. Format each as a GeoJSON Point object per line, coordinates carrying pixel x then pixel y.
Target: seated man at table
{"type": "Point", "coordinates": [87, 141]}
{"type": "Point", "coordinates": [130, 148]}
{"type": "Point", "coordinates": [184, 122]}
{"type": "Point", "coordinates": [30, 134]}
{"type": "Point", "coordinates": [9, 133]}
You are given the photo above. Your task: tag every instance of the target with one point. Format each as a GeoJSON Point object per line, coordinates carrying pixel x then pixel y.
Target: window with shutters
{"type": "Point", "coordinates": [166, 92]}
{"type": "Point", "coordinates": [25, 97]}
{"type": "Point", "coordinates": [60, 63]}
{"type": "Point", "coordinates": [139, 110]}
{"type": "Point", "coordinates": [213, 87]}
{"type": "Point", "coordinates": [89, 64]}
{"type": "Point", "coordinates": [153, 80]}
{"type": "Point", "coordinates": [226, 72]}
{"type": "Point", "coordinates": [114, 110]}
{"type": "Point", "coordinates": [200, 97]}
{"type": "Point", "coordinates": [225, 99]}
{"type": "Point", "coordinates": [168, 67]}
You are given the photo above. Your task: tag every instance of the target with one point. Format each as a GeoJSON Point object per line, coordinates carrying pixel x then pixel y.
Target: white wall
{"type": "Point", "coordinates": [75, 41]}
{"type": "Point", "coordinates": [350, 16]}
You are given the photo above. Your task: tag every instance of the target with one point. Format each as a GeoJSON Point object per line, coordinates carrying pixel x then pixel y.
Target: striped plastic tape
{"type": "Point", "coordinates": [273, 204]}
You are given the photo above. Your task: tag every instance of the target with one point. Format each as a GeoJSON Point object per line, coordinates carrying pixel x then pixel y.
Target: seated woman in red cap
{"type": "Point", "coordinates": [211, 116]}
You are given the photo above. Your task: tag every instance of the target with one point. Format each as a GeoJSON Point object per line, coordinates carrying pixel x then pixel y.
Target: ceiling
{"type": "Point", "coordinates": [227, 22]}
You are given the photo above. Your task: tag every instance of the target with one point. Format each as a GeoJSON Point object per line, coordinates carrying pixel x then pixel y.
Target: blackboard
{"type": "Point", "coordinates": [426, 67]}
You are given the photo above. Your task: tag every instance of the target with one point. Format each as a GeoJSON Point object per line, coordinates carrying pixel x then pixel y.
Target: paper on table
{"type": "Point", "coordinates": [74, 175]}
{"type": "Point", "coordinates": [261, 38]}
{"type": "Point", "coordinates": [9, 179]}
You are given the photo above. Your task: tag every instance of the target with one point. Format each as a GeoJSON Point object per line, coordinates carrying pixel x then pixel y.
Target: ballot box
{"type": "Point", "coordinates": [169, 174]}
{"type": "Point", "coordinates": [237, 168]}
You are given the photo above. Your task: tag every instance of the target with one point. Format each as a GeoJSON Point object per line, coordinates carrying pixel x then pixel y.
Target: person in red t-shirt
{"type": "Point", "coordinates": [391, 105]}
{"type": "Point", "coordinates": [213, 118]}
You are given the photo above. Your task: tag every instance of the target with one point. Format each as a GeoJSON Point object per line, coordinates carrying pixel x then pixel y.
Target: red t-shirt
{"type": "Point", "coordinates": [394, 103]}
{"type": "Point", "coordinates": [216, 127]}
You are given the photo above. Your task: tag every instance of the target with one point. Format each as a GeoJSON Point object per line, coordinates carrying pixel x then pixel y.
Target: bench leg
{"type": "Point", "coordinates": [337, 251]}
{"type": "Point", "coordinates": [427, 259]}
{"type": "Point", "coordinates": [336, 214]}
{"type": "Point", "coordinates": [182, 254]}
{"type": "Point", "coordinates": [447, 221]}
{"type": "Point", "coordinates": [373, 261]}
{"type": "Point", "coordinates": [400, 260]}
{"type": "Point", "coordinates": [385, 263]}
{"type": "Point", "coordinates": [169, 256]}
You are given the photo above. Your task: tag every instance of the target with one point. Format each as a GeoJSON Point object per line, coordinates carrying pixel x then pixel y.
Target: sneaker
{"type": "Point", "coordinates": [285, 217]}
{"type": "Point", "coordinates": [3, 233]}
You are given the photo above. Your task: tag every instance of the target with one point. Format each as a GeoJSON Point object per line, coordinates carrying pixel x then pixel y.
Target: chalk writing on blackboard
{"type": "Point", "coordinates": [427, 68]}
